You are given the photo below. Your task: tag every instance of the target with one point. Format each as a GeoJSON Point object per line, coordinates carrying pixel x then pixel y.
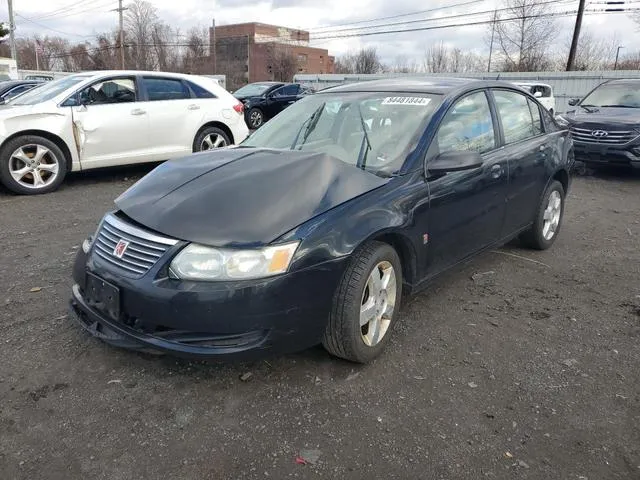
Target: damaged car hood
{"type": "Point", "coordinates": [242, 196]}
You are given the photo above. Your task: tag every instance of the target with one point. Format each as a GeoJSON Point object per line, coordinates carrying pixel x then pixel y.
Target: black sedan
{"type": "Point", "coordinates": [265, 100]}
{"type": "Point", "coordinates": [606, 124]}
{"type": "Point", "coordinates": [313, 229]}
{"type": "Point", "coordinates": [12, 88]}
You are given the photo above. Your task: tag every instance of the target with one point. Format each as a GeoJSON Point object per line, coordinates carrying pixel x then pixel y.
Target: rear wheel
{"type": "Point", "coordinates": [32, 165]}
{"type": "Point", "coordinates": [366, 304]}
{"type": "Point", "coordinates": [255, 118]}
{"type": "Point", "coordinates": [548, 220]}
{"type": "Point", "coordinates": [210, 138]}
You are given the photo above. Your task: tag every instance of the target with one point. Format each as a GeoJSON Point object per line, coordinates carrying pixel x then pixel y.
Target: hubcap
{"type": "Point", "coordinates": [213, 140]}
{"type": "Point", "coordinates": [34, 166]}
{"type": "Point", "coordinates": [378, 303]}
{"type": "Point", "coordinates": [552, 215]}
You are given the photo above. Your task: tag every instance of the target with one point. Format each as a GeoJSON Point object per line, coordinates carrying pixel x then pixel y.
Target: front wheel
{"type": "Point", "coordinates": [255, 118]}
{"type": "Point", "coordinates": [32, 165]}
{"type": "Point", "coordinates": [546, 224]}
{"type": "Point", "coordinates": [366, 304]}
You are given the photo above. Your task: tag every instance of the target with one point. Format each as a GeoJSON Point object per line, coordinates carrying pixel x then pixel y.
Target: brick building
{"type": "Point", "coordinates": [254, 52]}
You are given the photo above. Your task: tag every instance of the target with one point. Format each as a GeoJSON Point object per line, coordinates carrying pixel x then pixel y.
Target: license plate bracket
{"type": "Point", "coordinates": [102, 296]}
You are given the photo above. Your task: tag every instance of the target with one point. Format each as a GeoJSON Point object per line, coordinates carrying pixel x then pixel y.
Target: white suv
{"type": "Point", "coordinates": [543, 92]}
{"type": "Point", "coordinates": [104, 119]}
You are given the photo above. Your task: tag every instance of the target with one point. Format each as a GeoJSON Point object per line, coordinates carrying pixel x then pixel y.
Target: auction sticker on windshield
{"type": "Point", "coordinates": [406, 101]}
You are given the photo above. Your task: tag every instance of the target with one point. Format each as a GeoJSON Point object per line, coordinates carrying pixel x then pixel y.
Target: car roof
{"type": "Point", "coordinates": [12, 83]}
{"type": "Point", "coordinates": [433, 85]}
{"type": "Point", "coordinates": [625, 80]}
{"type": "Point", "coordinates": [531, 84]}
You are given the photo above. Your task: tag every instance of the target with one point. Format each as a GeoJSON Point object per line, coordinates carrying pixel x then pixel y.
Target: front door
{"type": "Point", "coordinates": [111, 125]}
{"type": "Point", "coordinates": [281, 98]}
{"type": "Point", "coordinates": [466, 208]}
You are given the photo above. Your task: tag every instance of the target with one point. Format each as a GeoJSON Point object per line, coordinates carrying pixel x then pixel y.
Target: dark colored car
{"type": "Point", "coordinates": [11, 88]}
{"type": "Point", "coordinates": [606, 124]}
{"type": "Point", "coordinates": [314, 227]}
{"type": "Point", "coordinates": [264, 100]}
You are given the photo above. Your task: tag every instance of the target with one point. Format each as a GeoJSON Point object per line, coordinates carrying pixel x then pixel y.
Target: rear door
{"type": "Point", "coordinates": [466, 208]}
{"type": "Point", "coordinates": [174, 116]}
{"type": "Point", "coordinates": [527, 148]}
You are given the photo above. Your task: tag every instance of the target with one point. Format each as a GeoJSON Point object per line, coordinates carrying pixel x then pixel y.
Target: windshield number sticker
{"type": "Point", "coordinates": [406, 101]}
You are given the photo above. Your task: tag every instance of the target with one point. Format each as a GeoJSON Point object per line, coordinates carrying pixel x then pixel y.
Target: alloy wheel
{"type": "Point", "coordinates": [551, 218]}
{"type": "Point", "coordinates": [34, 166]}
{"type": "Point", "coordinates": [255, 118]}
{"type": "Point", "coordinates": [378, 303]}
{"type": "Point", "coordinates": [213, 140]}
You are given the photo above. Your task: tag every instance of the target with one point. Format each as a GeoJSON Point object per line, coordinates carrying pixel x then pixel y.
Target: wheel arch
{"type": "Point", "coordinates": [562, 176]}
{"type": "Point", "coordinates": [52, 137]}
{"type": "Point", "coordinates": [216, 124]}
{"type": "Point", "coordinates": [405, 250]}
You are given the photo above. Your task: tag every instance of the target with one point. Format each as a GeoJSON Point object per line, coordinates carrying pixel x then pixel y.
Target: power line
{"type": "Point", "coordinates": [52, 29]}
{"type": "Point", "coordinates": [397, 16]}
{"type": "Point", "coordinates": [447, 17]}
{"type": "Point", "coordinates": [71, 9]}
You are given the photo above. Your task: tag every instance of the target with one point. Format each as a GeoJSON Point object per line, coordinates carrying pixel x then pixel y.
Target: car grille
{"type": "Point", "coordinates": [612, 137]}
{"type": "Point", "coordinates": [143, 250]}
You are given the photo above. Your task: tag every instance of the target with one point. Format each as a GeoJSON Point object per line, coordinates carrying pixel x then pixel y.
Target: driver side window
{"type": "Point", "coordinates": [467, 126]}
{"type": "Point", "coordinates": [112, 90]}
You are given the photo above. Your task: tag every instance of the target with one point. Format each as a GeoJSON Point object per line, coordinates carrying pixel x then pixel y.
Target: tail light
{"type": "Point", "coordinates": [239, 107]}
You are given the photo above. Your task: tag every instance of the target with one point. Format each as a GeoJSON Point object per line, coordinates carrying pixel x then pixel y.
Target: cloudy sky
{"type": "Point", "coordinates": [79, 20]}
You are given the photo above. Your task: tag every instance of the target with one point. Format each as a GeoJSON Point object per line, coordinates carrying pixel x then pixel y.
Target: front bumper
{"type": "Point", "coordinates": [624, 156]}
{"type": "Point", "coordinates": [231, 320]}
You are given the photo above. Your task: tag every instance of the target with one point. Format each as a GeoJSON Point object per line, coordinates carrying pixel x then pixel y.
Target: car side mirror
{"type": "Point", "coordinates": [538, 94]}
{"type": "Point", "coordinates": [573, 101]}
{"type": "Point", "coordinates": [455, 161]}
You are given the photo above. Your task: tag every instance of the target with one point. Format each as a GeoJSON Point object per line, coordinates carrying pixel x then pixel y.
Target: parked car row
{"type": "Point", "coordinates": [102, 119]}
{"type": "Point", "coordinates": [13, 88]}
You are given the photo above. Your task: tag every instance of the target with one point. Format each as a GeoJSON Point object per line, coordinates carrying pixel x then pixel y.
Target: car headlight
{"type": "Point", "coordinates": [197, 262]}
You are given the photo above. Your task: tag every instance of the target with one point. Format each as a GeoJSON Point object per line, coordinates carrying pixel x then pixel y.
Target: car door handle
{"type": "Point", "coordinates": [194, 107]}
{"type": "Point", "coordinates": [543, 150]}
{"type": "Point", "coordinates": [138, 111]}
{"type": "Point", "coordinates": [496, 171]}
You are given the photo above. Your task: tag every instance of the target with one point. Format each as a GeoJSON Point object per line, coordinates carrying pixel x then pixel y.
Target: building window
{"type": "Point", "coordinates": [302, 59]}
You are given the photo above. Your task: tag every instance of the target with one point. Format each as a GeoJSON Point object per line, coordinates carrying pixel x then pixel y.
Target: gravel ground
{"type": "Point", "coordinates": [529, 371]}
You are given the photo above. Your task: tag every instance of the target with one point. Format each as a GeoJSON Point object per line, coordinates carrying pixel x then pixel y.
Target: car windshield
{"type": "Point", "coordinates": [252, 90]}
{"type": "Point", "coordinates": [372, 131]}
{"type": "Point", "coordinates": [625, 95]}
{"type": "Point", "coordinates": [47, 91]}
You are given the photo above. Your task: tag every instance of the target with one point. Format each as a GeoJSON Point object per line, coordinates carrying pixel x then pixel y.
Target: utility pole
{"type": "Point", "coordinates": [12, 27]}
{"type": "Point", "coordinates": [493, 32]}
{"type": "Point", "coordinates": [576, 36]}
{"type": "Point", "coordinates": [212, 48]}
{"type": "Point", "coordinates": [615, 65]}
{"type": "Point", "coordinates": [121, 9]}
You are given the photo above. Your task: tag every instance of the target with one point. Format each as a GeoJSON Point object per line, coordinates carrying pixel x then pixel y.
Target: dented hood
{"type": "Point", "coordinates": [242, 196]}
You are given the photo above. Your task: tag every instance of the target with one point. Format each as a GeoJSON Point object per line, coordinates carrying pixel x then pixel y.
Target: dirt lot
{"type": "Point", "coordinates": [531, 371]}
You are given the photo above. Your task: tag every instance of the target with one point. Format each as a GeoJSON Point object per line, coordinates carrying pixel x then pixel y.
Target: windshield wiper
{"type": "Point", "coordinates": [588, 107]}
{"type": "Point", "coordinates": [362, 156]}
{"type": "Point", "coordinates": [310, 123]}
{"type": "Point", "coordinates": [621, 106]}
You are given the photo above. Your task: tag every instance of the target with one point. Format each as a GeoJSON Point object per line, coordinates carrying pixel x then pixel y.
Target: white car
{"type": "Point", "coordinates": [104, 119]}
{"type": "Point", "coordinates": [543, 92]}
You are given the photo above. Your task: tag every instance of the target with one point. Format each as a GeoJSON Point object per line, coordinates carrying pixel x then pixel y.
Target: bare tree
{"type": "Point", "coordinates": [436, 58]}
{"type": "Point", "coordinates": [140, 18]}
{"type": "Point", "coordinates": [196, 56]}
{"type": "Point", "coordinates": [365, 61]}
{"type": "Point", "coordinates": [404, 65]}
{"type": "Point", "coordinates": [80, 58]}
{"type": "Point", "coordinates": [630, 61]}
{"type": "Point", "coordinates": [593, 52]}
{"type": "Point", "coordinates": [524, 34]}
{"type": "Point", "coordinates": [281, 62]}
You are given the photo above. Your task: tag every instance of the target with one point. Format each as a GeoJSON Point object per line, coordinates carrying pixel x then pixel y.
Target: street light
{"type": "Point", "coordinates": [615, 65]}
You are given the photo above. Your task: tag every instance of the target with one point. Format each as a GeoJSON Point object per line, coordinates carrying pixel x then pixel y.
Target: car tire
{"type": "Point", "coordinates": [210, 138]}
{"type": "Point", "coordinates": [255, 118]}
{"type": "Point", "coordinates": [548, 219]}
{"type": "Point", "coordinates": [360, 297]}
{"type": "Point", "coordinates": [39, 156]}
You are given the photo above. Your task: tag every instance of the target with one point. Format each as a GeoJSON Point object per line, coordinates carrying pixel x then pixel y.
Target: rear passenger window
{"type": "Point", "coordinates": [165, 89]}
{"type": "Point", "coordinates": [467, 126]}
{"type": "Point", "coordinates": [199, 91]}
{"type": "Point", "coordinates": [538, 127]}
{"type": "Point", "coordinates": [514, 112]}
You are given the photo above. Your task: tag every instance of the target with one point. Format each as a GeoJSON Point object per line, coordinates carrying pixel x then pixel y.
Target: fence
{"type": "Point", "coordinates": [566, 85]}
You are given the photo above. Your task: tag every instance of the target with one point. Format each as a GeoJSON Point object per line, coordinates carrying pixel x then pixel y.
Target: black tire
{"type": "Point", "coordinates": [255, 118]}
{"type": "Point", "coordinates": [534, 237]}
{"type": "Point", "coordinates": [213, 134]}
{"type": "Point", "coordinates": [31, 142]}
{"type": "Point", "coordinates": [344, 335]}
